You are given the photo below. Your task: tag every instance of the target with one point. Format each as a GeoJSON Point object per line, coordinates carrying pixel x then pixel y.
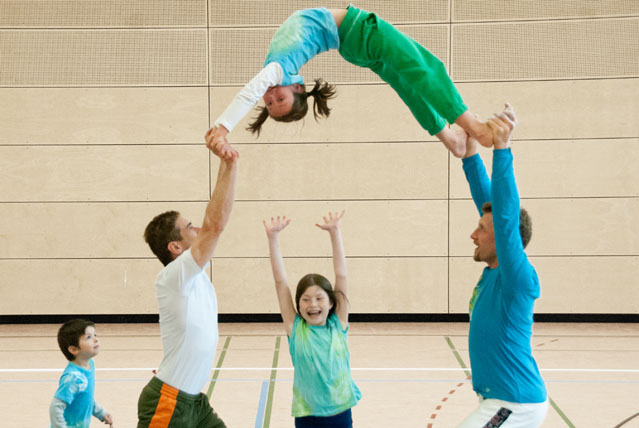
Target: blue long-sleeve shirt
{"type": "Point", "coordinates": [501, 309]}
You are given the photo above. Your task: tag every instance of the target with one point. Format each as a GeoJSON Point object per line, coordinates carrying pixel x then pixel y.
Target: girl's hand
{"type": "Point", "coordinates": [276, 225]}
{"type": "Point", "coordinates": [217, 143]}
{"type": "Point", "coordinates": [332, 222]}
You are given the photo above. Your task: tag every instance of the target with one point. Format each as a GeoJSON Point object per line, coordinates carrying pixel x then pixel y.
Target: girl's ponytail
{"type": "Point", "coordinates": [256, 126]}
{"type": "Point", "coordinates": [321, 92]}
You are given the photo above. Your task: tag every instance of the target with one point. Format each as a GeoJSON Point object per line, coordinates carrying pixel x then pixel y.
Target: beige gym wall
{"type": "Point", "coordinates": [104, 104]}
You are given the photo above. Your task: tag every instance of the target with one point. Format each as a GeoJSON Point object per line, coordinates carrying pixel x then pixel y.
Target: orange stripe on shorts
{"type": "Point", "coordinates": [166, 406]}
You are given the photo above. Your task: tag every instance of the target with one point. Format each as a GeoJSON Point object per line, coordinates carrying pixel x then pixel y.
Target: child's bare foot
{"type": "Point", "coordinates": [476, 128]}
{"type": "Point", "coordinates": [483, 134]}
{"type": "Point", "coordinates": [455, 141]}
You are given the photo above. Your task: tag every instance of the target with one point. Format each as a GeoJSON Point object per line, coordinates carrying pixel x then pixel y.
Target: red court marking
{"type": "Point", "coordinates": [550, 341]}
{"type": "Point", "coordinates": [444, 399]}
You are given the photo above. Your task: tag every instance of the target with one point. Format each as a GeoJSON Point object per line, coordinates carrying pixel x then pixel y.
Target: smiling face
{"type": "Point", "coordinates": [315, 305]}
{"type": "Point", "coordinates": [279, 99]}
{"type": "Point", "coordinates": [484, 239]}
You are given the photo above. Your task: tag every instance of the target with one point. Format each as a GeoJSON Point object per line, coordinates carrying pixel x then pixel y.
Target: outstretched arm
{"type": "Point", "coordinates": [332, 226]}
{"type": "Point", "coordinates": [476, 175]}
{"type": "Point", "coordinates": [287, 308]}
{"type": "Point", "coordinates": [219, 207]}
{"type": "Point", "coordinates": [506, 205]}
{"type": "Point", "coordinates": [244, 101]}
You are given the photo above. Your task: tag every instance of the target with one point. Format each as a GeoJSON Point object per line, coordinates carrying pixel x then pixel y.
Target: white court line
{"type": "Point", "coordinates": [365, 369]}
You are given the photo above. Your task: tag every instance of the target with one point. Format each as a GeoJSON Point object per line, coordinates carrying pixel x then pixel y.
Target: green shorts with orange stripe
{"type": "Point", "coordinates": [163, 406]}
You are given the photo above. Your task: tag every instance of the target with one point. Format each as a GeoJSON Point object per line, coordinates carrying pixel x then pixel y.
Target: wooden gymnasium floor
{"type": "Point", "coordinates": [410, 375]}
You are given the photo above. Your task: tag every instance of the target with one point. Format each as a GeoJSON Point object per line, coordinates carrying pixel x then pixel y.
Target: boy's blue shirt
{"type": "Point", "coordinates": [501, 308]}
{"type": "Point", "coordinates": [76, 388]}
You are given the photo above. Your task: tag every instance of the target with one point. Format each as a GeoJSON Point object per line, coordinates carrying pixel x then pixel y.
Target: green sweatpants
{"type": "Point", "coordinates": [163, 406]}
{"type": "Point", "coordinates": [418, 77]}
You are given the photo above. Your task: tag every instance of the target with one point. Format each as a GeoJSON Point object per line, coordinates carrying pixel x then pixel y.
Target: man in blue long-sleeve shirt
{"type": "Point", "coordinates": [505, 375]}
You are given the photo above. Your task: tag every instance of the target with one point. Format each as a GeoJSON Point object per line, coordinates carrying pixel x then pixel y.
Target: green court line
{"type": "Point", "coordinates": [552, 403]}
{"type": "Point", "coordinates": [271, 384]}
{"type": "Point", "coordinates": [457, 356]}
{"type": "Point", "coordinates": [220, 360]}
{"type": "Point", "coordinates": [560, 413]}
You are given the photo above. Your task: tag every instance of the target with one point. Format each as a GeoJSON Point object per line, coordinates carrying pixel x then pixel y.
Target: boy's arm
{"type": "Point", "coordinates": [332, 226]}
{"type": "Point", "coordinates": [287, 307]}
{"type": "Point", "coordinates": [476, 175]}
{"type": "Point", "coordinates": [56, 413]}
{"type": "Point", "coordinates": [101, 414]}
{"type": "Point", "coordinates": [218, 209]}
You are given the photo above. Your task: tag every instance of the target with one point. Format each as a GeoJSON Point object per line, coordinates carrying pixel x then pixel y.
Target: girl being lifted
{"type": "Point", "coordinates": [363, 39]}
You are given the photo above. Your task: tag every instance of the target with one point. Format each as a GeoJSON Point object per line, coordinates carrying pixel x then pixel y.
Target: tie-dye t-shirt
{"type": "Point", "coordinates": [305, 34]}
{"type": "Point", "coordinates": [322, 384]}
{"type": "Point", "coordinates": [76, 388]}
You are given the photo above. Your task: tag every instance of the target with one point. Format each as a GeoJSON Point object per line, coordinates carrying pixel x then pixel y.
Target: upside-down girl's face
{"type": "Point", "coordinates": [315, 305]}
{"type": "Point", "coordinates": [279, 99]}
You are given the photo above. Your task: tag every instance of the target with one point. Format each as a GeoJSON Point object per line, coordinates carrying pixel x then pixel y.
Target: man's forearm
{"type": "Point", "coordinates": [478, 180]}
{"type": "Point", "coordinates": [219, 208]}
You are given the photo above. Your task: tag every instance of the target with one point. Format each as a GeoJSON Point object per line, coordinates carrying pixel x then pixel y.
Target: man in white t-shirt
{"type": "Point", "coordinates": [188, 308]}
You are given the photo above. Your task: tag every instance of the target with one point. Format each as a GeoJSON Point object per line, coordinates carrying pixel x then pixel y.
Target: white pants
{"type": "Point", "coordinates": [493, 413]}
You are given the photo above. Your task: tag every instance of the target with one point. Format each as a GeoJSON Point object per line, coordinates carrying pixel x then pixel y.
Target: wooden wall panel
{"type": "Point", "coordinates": [249, 13]}
{"type": "Point", "coordinates": [341, 171]}
{"type": "Point", "coordinates": [576, 109]}
{"type": "Point", "coordinates": [473, 10]}
{"type": "Point", "coordinates": [104, 173]}
{"type": "Point", "coordinates": [124, 286]}
{"type": "Point", "coordinates": [98, 13]}
{"type": "Point", "coordinates": [83, 230]}
{"type": "Point", "coordinates": [73, 286]}
{"type": "Point", "coordinates": [103, 115]}
{"type": "Point", "coordinates": [545, 50]}
{"type": "Point", "coordinates": [106, 230]}
{"type": "Point", "coordinates": [103, 58]}
{"type": "Point", "coordinates": [562, 227]}
{"type": "Point", "coordinates": [376, 285]}
{"type": "Point", "coordinates": [566, 169]}
{"type": "Point", "coordinates": [370, 228]}
{"type": "Point", "coordinates": [568, 284]}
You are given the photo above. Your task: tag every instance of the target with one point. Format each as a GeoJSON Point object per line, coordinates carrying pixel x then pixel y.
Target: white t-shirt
{"type": "Point", "coordinates": [188, 324]}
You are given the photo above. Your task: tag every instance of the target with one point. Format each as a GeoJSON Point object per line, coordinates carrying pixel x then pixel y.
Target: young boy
{"type": "Point", "coordinates": [73, 403]}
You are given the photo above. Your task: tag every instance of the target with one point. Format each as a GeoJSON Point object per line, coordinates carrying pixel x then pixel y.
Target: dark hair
{"type": "Point", "coordinates": [525, 223]}
{"type": "Point", "coordinates": [159, 232]}
{"type": "Point", "coordinates": [321, 92]}
{"type": "Point", "coordinates": [69, 335]}
{"type": "Point", "coordinates": [310, 280]}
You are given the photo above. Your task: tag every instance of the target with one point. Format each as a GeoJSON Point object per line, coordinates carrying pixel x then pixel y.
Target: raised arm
{"type": "Point", "coordinates": [219, 207]}
{"type": "Point", "coordinates": [244, 101]}
{"type": "Point", "coordinates": [287, 307]}
{"type": "Point", "coordinates": [332, 226]}
{"type": "Point", "coordinates": [505, 203]}
{"type": "Point", "coordinates": [476, 175]}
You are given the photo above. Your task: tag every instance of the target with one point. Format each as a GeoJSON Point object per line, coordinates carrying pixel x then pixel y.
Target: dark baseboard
{"type": "Point", "coordinates": [262, 318]}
